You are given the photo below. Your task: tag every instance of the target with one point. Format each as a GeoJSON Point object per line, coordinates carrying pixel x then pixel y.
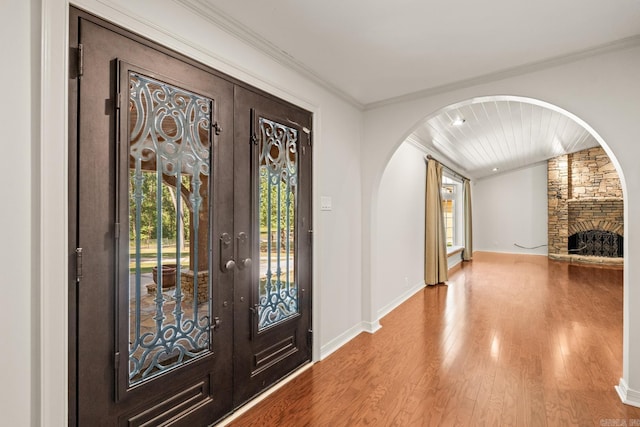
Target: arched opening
{"type": "Point", "coordinates": [406, 163]}
{"type": "Point", "coordinates": [407, 151]}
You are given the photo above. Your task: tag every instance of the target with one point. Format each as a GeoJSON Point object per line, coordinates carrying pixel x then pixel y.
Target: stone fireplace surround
{"type": "Point", "coordinates": [584, 193]}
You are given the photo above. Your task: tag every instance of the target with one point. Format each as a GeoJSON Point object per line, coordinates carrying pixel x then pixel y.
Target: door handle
{"type": "Point", "coordinates": [243, 243]}
{"type": "Point", "coordinates": [216, 323]}
{"type": "Point", "coordinates": [229, 265]}
{"type": "Point", "coordinates": [226, 252]}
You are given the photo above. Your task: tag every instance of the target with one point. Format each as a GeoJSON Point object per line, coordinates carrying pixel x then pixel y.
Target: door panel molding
{"type": "Point", "coordinates": [189, 400]}
{"type": "Point", "coordinates": [270, 356]}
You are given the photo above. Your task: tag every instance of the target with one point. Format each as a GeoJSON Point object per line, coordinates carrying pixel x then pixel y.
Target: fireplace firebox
{"type": "Point", "coordinates": [598, 243]}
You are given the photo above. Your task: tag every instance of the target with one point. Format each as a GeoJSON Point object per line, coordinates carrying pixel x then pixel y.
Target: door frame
{"type": "Point", "coordinates": [56, 327]}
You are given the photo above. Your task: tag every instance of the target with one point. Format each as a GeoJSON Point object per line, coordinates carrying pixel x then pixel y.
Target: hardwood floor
{"type": "Point", "coordinates": [511, 340]}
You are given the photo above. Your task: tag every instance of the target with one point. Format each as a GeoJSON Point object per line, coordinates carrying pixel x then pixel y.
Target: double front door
{"type": "Point", "coordinates": [190, 243]}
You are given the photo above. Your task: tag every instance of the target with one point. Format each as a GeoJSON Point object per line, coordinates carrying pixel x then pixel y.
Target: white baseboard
{"type": "Point", "coordinates": [371, 327]}
{"type": "Point", "coordinates": [400, 299]}
{"type": "Point", "coordinates": [341, 340]}
{"type": "Point", "coordinates": [627, 395]}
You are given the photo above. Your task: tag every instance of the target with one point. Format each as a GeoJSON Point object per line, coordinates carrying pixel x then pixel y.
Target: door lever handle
{"type": "Point", "coordinates": [229, 265]}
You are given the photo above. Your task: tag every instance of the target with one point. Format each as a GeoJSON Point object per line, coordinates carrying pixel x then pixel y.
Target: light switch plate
{"type": "Point", "coordinates": [325, 203]}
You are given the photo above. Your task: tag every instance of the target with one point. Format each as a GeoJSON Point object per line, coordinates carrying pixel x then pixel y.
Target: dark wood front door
{"type": "Point", "coordinates": [272, 216]}
{"type": "Point", "coordinates": [189, 235]}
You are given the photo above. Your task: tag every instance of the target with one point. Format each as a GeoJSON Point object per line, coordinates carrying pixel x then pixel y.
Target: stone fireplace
{"type": "Point", "coordinates": [585, 208]}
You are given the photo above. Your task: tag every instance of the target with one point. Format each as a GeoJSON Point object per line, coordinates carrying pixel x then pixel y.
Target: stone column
{"type": "Point", "coordinates": [558, 195]}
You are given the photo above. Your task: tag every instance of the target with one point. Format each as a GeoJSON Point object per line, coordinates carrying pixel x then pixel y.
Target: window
{"type": "Point", "coordinates": [452, 211]}
{"type": "Point", "coordinates": [448, 202]}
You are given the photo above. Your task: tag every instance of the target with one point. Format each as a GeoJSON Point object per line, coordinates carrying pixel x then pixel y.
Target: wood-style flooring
{"type": "Point", "coordinates": [512, 340]}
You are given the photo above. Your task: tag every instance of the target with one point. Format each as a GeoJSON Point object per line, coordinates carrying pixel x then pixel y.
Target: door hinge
{"type": "Point", "coordinates": [217, 128]}
{"type": "Point", "coordinates": [78, 264]}
{"type": "Point", "coordinates": [80, 59]}
{"type": "Point", "coordinates": [116, 230]}
{"type": "Point", "coordinates": [116, 361]}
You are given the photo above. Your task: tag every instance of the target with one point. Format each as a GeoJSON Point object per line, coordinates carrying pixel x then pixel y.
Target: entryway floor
{"type": "Point", "coordinates": [510, 340]}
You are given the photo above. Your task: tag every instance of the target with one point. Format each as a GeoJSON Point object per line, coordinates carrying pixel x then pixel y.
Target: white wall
{"type": "Point", "coordinates": [601, 90]}
{"type": "Point", "coordinates": [401, 238]}
{"type": "Point", "coordinates": [19, 112]}
{"type": "Point", "coordinates": [510, 208]}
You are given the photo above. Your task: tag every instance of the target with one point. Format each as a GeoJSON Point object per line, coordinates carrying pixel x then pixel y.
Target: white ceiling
{"type": "Point", "coordinates": [374, 50]}
{"type": "Point", "coordinates": [377, 51]}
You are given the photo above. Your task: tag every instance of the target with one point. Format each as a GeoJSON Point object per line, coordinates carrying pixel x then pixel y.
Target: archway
{"type": "Point", "coordinates": [377, 182]}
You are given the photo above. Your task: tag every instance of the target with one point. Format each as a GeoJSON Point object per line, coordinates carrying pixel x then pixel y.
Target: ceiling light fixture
{"type": "Point", "coordinates": [458, 121]}
{"type": "Point", "coordinates": [495, 169]}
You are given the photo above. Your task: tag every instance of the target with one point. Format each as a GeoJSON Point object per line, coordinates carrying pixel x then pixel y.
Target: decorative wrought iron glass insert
{"type": "Point", "coordinates": [278, 186]}
{"type": "Point", "coordinates": [596, 243]}
{"type": "Point", "coordinates": [169, 169]}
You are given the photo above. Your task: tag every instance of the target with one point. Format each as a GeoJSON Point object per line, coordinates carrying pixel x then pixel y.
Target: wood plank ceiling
{"type": "Point", "coordinates": [500, 134]}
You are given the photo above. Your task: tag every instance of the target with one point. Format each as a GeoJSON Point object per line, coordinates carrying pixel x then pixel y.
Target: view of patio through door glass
{"type": "Point", "coordinates": [169, 169]}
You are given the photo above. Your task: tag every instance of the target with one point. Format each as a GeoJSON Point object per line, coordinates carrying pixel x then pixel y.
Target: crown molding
{"type": "Point", "coordinates": [417, 143]}
{"type": "Point", "coordinates": [616, 45]}
{"type": "Point", "coordinates": [234, 27]}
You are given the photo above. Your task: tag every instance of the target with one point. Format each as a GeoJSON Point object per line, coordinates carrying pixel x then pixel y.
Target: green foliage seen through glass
{"type": "Point", "coordinates": [272, 215]}
{"type": "Point", "coordinates": [148, 212]}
